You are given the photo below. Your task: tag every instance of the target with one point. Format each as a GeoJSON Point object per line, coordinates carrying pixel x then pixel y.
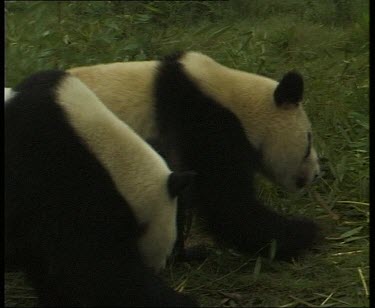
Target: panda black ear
{"type": "Point", "coordinates": [178, 181]}
{"type": "Point", "coordinates": [290, 90]}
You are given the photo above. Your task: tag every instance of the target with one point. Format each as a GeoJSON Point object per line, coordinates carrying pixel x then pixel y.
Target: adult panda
{"type": "Point", "coordinates": [90, 208]}
{"type": "Point", "coordinates": [226, 124]}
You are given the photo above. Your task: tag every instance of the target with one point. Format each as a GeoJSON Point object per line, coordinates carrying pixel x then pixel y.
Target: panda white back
{"type": "Point", "coordinates": [132, 81]}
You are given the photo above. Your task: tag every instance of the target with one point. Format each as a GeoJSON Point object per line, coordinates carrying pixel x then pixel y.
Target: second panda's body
{"type": "Point", "coordinates": [226, 125]}
{"type": "Point", "coordinates": [90, 209]}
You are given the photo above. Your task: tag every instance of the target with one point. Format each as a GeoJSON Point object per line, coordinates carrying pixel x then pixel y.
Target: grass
{"type": "Point", "coordinates": [327, 41]}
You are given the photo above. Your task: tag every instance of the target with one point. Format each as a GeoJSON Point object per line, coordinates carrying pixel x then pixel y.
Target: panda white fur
{"type": "Point", "coordinates": [227, 125]}
{"type": "Point", "coordinates": [90, 208]}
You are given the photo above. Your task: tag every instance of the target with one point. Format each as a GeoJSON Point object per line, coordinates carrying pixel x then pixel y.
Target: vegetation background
{"type": "Point", "coordinates": [326, 40]}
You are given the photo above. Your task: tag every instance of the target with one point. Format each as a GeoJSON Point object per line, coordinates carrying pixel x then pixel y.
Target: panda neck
{"type": "Point", "coordinates": [235, 90]}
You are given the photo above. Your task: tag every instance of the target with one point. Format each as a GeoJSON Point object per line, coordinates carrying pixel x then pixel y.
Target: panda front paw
{"type": "Point", "coordinates": [300, 234]}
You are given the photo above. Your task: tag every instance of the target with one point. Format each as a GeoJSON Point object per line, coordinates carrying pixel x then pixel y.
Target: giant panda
{"type": "Point", "coordinates": [90, 208]}
{"type": "Point", "coordinates": [227, 125]}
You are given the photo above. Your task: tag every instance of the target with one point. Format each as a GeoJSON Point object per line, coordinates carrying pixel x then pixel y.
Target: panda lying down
{"type": "Point", "coordinates": [90, 208]}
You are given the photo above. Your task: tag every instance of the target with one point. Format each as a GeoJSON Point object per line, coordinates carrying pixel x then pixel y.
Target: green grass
{"type": "Point", "coordinates": [326, 40]}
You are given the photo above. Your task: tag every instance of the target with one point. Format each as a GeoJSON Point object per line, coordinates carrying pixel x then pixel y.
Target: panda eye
{"type": "Point", "coordinates": [308, 150]}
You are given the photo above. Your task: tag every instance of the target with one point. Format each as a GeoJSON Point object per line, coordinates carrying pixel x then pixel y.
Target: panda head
{"type": "Point", "coordinates": [270, 113]}
{"type": "Point", "coordinates": [288, 155]}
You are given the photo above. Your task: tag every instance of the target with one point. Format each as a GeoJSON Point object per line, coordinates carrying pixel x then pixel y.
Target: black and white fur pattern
{"type": "Point", "coordinates": [227, 125]}
{"type": "Point", "coordinates": [90, 208]}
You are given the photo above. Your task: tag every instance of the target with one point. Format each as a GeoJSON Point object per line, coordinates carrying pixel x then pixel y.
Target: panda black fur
{"type": "Point", "coordinates": [227, 125]}
{"type": "Point", "coordinates": [90, 208]}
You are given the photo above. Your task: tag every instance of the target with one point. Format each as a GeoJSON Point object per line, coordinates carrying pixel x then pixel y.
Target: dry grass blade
{"type": "Point", "coordinates": [324, 205]}
{"type": "Point", "coordinates": [363, 281]}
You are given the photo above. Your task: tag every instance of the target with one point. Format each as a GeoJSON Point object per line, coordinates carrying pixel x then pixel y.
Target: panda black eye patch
{"type": "Point", "coordinates": [308, 145]}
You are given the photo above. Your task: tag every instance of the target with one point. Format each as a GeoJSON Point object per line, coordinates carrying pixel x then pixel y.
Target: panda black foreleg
{"type": "Point", "coordinates": [250, 228]}
{"type": "Point", "coordinates": [185, 213]}
{"type": "Point", "coordinates": [181, 252]}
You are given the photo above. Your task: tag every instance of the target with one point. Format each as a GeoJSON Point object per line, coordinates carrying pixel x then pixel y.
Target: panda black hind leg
{"type": "Point", "coordinates": [185, 211]}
